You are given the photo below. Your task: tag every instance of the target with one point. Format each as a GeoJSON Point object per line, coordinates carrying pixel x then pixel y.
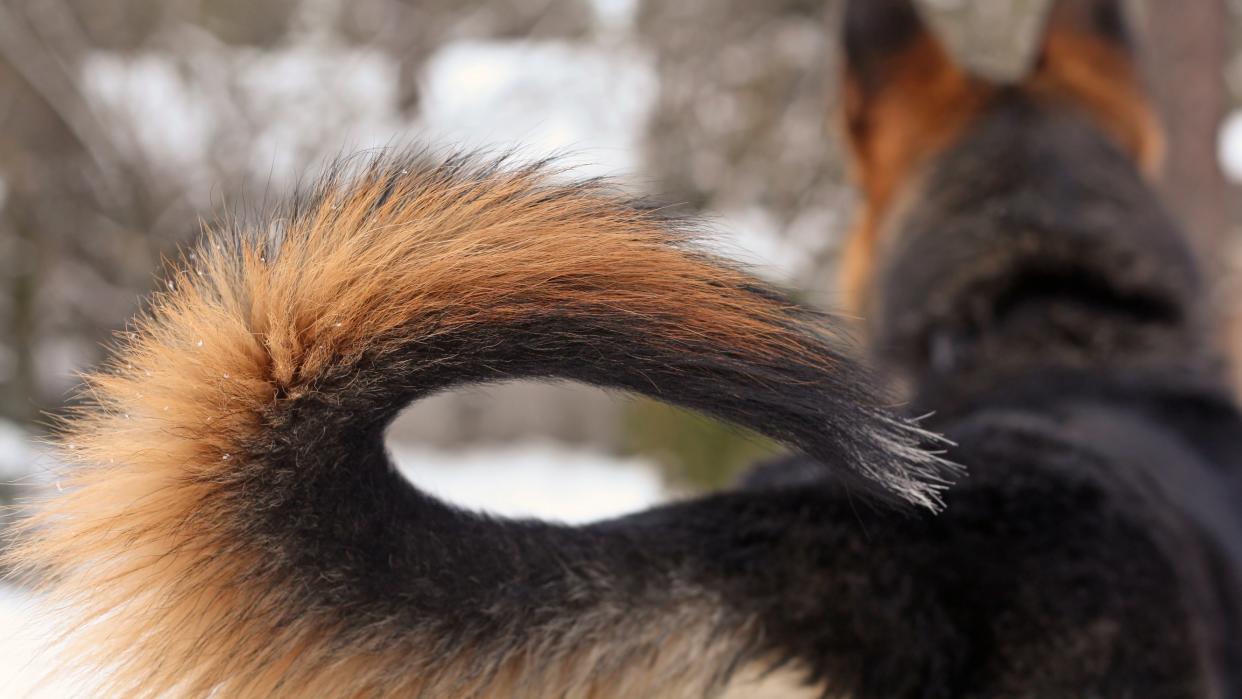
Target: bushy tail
{"type": "Point", "coordinates": [231, 523]}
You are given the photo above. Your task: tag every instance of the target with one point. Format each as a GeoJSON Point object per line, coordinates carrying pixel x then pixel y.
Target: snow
{"type": "Point", "coordinates": [21, 459]}
{"type": "Point", "coordinates": [26, 670]}
{"type": "Point", "coordinates": [534, 480]}
{"type": "Point", "coordinates": [279, 111]}
{"type": "Point", "coordinates": [132, 89]}
{"type": "Point", "coordinates": [551, 97]}
{"type": "Point", "coordinates": [289, 109]}
{"type": "Point", "coordinates": [615, 14]}
{"type": "Point", "coordinates": [1229, 146]}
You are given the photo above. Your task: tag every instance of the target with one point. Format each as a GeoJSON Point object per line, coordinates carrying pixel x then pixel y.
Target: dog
{"type": "Point", "coordinates": [231, 526]}
{"type": "Point", "coordinates": [1020, 278]}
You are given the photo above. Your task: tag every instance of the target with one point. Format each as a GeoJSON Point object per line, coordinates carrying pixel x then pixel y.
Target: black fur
{"type": "Point", "coordinates": [876, 32]}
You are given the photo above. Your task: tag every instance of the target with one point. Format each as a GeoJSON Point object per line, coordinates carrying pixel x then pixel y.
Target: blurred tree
{"type": "Point", "coordinates": [1187, 52]}
{"type": "Point", "coordinates": [412, 30]}
{"type": "Point", "coordinates": [72, 204]}
{"type": "Point", "coordinates": [86, 213]}
{"type": "Point", "coordinates": [744, 110]}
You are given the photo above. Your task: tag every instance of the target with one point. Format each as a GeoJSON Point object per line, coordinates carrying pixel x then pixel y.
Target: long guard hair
{"type": "Point", "coordinates": [232, 526]}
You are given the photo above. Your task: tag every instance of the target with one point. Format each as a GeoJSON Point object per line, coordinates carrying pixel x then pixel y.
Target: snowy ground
{"type": "Point", "coordinates": [537, 479]}
{"type": "Point", "coordinates": [534, 480]}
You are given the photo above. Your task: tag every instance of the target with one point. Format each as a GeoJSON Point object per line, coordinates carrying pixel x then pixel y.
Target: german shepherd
{"type": "Point", "coordinates": [232, 527]}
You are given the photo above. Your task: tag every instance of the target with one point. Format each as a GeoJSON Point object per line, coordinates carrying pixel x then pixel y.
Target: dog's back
{"type": "Point", "coordinates": [1020, 277]}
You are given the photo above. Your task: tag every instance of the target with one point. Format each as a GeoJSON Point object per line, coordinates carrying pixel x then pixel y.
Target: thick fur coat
{"type": "Point", "coordinates": [231, 525]}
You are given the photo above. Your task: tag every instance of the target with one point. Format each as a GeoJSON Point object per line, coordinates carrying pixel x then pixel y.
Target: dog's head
{"type": "Point", "coordinates": [907, 104]}
{"type": "Point", "coordinates": [980, 197]}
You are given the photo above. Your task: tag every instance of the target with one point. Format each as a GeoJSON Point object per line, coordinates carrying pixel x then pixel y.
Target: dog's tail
{"type": "Point", "coordinates": [232, 526]}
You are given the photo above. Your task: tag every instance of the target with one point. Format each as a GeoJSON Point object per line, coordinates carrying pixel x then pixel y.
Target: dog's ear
{"type": "Point", "coordinates": [1088, 56]}
{"type": "Point", "coordinates": [904, 99]}
{"type": "Point", "coordinates": [884, 41]}
{"type": "Point", "coordinates": [1101, 20]}
{"type": "Point", "coordinates": [896, 71]}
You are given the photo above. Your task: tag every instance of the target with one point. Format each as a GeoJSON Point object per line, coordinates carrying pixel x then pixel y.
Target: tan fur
{"type": "Point", "coordinates": [137, 555]}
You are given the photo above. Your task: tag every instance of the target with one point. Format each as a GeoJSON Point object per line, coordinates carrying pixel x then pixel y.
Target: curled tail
{"type": "Point", "coordinates": [232, 524]}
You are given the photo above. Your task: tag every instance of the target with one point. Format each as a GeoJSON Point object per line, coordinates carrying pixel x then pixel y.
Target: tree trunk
{"type": "Point", "coordinates": [1186, 45]}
